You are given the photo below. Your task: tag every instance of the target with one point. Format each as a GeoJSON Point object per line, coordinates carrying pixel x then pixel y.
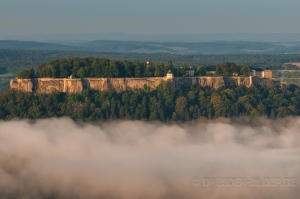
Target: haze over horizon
{"type": "Point", "coordinates": [31, 18]}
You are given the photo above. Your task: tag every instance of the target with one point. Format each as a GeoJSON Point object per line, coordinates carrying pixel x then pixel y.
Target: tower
{"type": "Point", "coordinates": [268, 73]}
{"type": "Point", "coordinates": [170, 75]}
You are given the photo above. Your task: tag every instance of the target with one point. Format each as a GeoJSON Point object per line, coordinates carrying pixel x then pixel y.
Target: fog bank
{"type": "Point", "coordinates": [57, 158]}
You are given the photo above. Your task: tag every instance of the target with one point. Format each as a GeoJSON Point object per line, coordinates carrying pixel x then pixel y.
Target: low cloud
{"type": "Point", "coordinates": [57, 158]}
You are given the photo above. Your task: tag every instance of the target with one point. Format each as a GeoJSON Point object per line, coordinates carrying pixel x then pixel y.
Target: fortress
{"type": "Point", "coordinates": [77, 85]}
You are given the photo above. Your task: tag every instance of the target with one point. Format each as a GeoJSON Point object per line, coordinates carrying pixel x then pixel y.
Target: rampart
{"type": "Point", "coordinates": [77, 85]}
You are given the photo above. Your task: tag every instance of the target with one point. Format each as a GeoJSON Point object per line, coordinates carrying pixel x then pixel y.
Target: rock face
{"type": "Point", "coordinates": [24, 85]}
{"type": "Point", "coordinates": [263, 82]}
{"type": "Point", "coordinates": [239, 81]}
{"type": "Point", "coordinates": [214, 82]}
{"type": "Point", "coordinates": [121, 84]}
{"type": "Point", "coordinates": [50, 85]}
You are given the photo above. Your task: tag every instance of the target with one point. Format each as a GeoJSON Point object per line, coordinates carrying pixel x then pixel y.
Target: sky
{"type": "Point", "coordinates": [27, 17]}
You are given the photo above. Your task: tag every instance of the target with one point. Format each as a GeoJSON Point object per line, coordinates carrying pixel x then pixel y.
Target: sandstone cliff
{"type": "Point", "coordinates": [24, 85]}
{"type": "Point", "coordinates": [264, 82]}
{"type": "Point", "coordinates": [50, 85]}
{"type": "Point", "coordinates": [213, 82]}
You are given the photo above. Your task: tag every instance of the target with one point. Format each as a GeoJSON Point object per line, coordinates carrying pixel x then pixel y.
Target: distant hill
{"type": "Point", "coordinates": [32, 45]}
{"type": "Point", "coordinates": [181, 48]}
{"type": "Point", "coordinates": [122, 36]}
{"type": "Point", "coordinates": [127, 47]}
{"type": "Point", "coordinates": [184, 47]}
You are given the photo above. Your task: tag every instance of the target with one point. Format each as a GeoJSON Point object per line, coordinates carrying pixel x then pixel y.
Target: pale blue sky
{"type": "Point", "coordinates": [19, 17]}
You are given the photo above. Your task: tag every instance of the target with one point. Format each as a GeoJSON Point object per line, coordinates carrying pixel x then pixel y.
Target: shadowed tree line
{"type": "Point", "coordinates": [164, 103]}
{"type": "Point", "coordinates": [17, 60]}
{"type": "Point", "coordinates": [99, 67]}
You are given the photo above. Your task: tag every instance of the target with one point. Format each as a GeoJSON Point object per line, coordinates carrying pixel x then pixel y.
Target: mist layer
{"type": "Point", "coordinates": [57, 158]}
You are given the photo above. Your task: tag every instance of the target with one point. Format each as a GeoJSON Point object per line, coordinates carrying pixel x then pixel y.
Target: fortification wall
{"type": "Point", "coordinates": [121, 84]}
{"type": "Point", "coordinates": [24, 85]}
{"type": "Point", "coordinates": [214, 82]}
{"type": "Point", "coordinates": [99, 84]}
{"type": "Point", "coordinates": [263, 82]}
{"type": "Point", "coordinates": [130, 84]}
{"type": "Point", "coordinates": [50, 85]}
{"type": "Point", "coordinates": [238, 81]}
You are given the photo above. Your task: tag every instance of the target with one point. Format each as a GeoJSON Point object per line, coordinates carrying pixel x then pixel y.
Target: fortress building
{"type": "Point", "coordinates": [191, 72]}
{"type": "Point", "coordinates": [267, 73]}
{"type": "Point", "coordinates": [170, 75]}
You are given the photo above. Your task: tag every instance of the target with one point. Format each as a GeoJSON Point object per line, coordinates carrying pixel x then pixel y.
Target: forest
{"type": "Point", "coordinates": [94, 67]}
{"type": "Point", "coordinates": [14, 61]}
{"type": "Point", "coordinates": [164, 104]}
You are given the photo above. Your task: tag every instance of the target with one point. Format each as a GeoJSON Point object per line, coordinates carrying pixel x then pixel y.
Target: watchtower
{"type": "Point", "coordinates": [170, 75]}
{"type": "Point", "coordinates": [268, 73]}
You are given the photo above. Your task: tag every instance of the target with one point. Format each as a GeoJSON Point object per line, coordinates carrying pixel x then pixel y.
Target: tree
{"type": "Point", "coordinates": [153, 107]}
{"type": "Point", "coordinates": [245, 71]}
{"type": "Point", "coordinates": [139, 70]}
{"type": "Point", "coordinates": [166, 93]}
{"type": "Point", "coordinates": [159, 70]}
{"type": "Point", "coordinates": [174, 117]}
{"type": "Point", "coordinates": [81, 73]}
{"type": "Point", "coordinates": [218, 105]}
{"type": "Point", "coordinates": [226, 68]}
{"type": "Point", "coordinates": [35, 112]}
{"type": "Point", "coordinates": [184, 69]}
{"type": "Point", "coordinates": [169, 66]}
{"type": "Point", "coordinates": [114, 69]}
{"type": "Point", "coordinates": [26, 74]}
{"type": "Point", "coordinates": [201, 71]}
{"type": "Point", "coordinates": [191, 95]}
{"type": "Point", "coordinates": [181, 109]}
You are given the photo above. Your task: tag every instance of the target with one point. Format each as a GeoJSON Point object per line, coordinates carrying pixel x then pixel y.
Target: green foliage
{"type": "Point", "coordinates": [244, 71]}
{"type": "Point", "coordinates": [164, 103]}
{"type": "Point", "coordinates": [230, 68]}
{"type": "Point", "coordinates": [26, 74]}
{"type": "Point", "coordinates": [183, 69]}
{"type": "Point", "coordinates": [18, 60]}
{"type": "Point", "coordinates": [94, 67]}
{"type": "Point", "coordinates": [181, 112]}
{"type": "Point", "coordinates": [286, 74]}
{"type": "Point", "coordinates": [200, 71]}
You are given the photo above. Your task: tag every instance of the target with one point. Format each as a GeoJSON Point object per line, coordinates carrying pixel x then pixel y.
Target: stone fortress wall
{"type": "Point", "coordinates": [77, 85]}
